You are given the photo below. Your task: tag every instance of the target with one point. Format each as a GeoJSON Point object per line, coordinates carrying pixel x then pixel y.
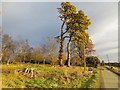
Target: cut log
{"type": "Point", "coordinates": [31, 72]}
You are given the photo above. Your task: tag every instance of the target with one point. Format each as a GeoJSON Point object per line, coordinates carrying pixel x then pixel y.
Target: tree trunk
{"type": "Point", "coordinates": [84, 59]}
{"type": "Point", "coordinates": [8, 61]}
{"type": "Point", "coordinates": [80, 59]}
{"type": "Point", "coordinates": [43, 61]}
{"type": "Point", "coordinates": [61, 51]}
{"type": "Point", "coordinates": [24, 57]}
{"type": "Point", "coordinates": [1, 58]}
{"type": "Point", "coordinates": [68, 51]}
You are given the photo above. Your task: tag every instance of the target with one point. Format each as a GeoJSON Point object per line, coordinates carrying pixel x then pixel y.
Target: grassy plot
{"type": "Point", "coordinates": [49, 77]}
{"type": "Point", "coordinates": [114, 69]}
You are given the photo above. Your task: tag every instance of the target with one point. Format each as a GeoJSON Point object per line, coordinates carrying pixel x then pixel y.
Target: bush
{"type": "Point", "coordinates": [92, 61]}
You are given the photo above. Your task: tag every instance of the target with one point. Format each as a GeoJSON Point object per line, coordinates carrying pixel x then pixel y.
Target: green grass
{"type": "Point", "coordinates": [49, 77]}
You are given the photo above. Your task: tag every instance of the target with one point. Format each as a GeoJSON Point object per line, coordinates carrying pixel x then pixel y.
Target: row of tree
{"type": "Point", "coordinates": [21, 51]}
{"type": "Point", "coordinates": [74, 26]}
{"type": "Point", "coordinates": [47, 53]}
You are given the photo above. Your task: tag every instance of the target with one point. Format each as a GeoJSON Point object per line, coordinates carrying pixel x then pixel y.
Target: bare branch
{"type": "Point", "coordinates": [66, 37]}
{"type": "Point", "coordinates": [65, 32]}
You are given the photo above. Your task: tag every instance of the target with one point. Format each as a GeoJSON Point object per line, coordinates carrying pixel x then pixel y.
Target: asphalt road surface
{"type": "Point", "coordinates": [110, 79]}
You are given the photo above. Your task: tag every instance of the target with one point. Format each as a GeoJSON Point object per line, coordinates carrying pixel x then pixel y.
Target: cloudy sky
{"type": "Point", "coordinates": [36, 21]}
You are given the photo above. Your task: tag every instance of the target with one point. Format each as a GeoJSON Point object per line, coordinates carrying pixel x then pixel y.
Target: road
{"type": "Point", "coordinates": [110, 79]}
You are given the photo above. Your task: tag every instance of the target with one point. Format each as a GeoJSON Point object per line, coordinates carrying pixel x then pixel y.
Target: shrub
{"type": "Point", "coordinates": [92, 61]}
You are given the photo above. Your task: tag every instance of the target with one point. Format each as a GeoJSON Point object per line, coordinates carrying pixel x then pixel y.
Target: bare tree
{"type": "Point", "coordinates": [50, 49]}
{"type": "Point", "coordinates": [7, 48]}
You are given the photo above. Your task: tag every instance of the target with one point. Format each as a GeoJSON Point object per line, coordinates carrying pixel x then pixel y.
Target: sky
{"type": "Point", "coordinates": [36, 21]}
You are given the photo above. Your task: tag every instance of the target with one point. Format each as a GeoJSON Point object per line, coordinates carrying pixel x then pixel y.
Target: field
{"type": "Point", "coordinates": [47, 76]}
